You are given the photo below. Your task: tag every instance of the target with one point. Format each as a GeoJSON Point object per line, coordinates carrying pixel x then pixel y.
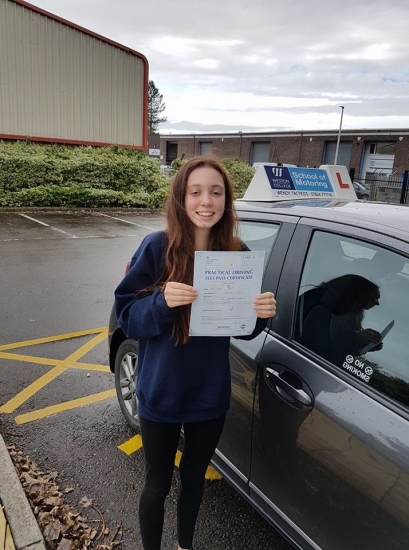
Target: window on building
{"type": "Point", "coordinates": [353, 310]}
{"type": "Point", "coordinates": [205, 147]}
{"type": "Point", "coordinates": [382, 148]}
{"type": "Point", "coordinates": [171, 151]}
{"type": "Point", "coordinates": [260, 151]}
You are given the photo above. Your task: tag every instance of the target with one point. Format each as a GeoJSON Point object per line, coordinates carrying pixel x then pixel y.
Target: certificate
{"type": "Point", "coordinates": [385, 331]}
{"type": "Point", "coordinates": [226, 284]}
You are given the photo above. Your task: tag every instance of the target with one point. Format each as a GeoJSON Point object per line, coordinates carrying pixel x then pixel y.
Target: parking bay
{"type": "Point", "coordinates": [58, 404]}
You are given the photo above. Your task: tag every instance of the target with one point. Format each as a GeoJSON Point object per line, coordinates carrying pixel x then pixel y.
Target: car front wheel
{"type": "Point", "coordinates": [126, 362]}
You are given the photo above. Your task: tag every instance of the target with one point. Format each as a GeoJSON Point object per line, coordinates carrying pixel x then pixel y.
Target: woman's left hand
{"type": "Point", "coordinates": [265, 305]}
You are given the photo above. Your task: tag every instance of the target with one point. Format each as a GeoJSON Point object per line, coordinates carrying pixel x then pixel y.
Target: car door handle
{"type": "Point", "coordinates": [274, 378]}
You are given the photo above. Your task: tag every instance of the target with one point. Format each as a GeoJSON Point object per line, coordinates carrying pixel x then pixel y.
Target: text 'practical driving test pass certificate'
{"type": "Point", "coordinates": [226, 284]}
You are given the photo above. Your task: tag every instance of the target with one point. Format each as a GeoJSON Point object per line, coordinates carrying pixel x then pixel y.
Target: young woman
{"type": "Point", "coordinates": [182, 380]}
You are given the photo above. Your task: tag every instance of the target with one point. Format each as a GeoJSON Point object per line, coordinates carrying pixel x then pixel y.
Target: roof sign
{"type": "Point", "coordinates": [274, 183]}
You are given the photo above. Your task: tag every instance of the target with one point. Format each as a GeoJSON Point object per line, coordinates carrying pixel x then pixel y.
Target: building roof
{"type": "Point", "coordinates": [289, 133]}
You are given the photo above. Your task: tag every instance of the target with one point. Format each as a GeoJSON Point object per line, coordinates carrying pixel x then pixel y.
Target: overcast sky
{"type": "Point", "coordinates": [235, 65]}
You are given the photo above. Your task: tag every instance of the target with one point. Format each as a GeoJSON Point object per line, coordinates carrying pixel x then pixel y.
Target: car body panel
{"type": "Point", "coordinates": [336, 460]}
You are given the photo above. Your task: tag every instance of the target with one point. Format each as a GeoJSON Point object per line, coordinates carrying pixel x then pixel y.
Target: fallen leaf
{"type": "Point", "coordinates": [63, 527]}
{"type": "Point", "coordinates": [53, 501]}
{"type": "Point", "coordinates": [66, 544]}
{"type": "Point", "coordinates": [52, 531]}
{"type": "Point", "coordinates": [85, 502]}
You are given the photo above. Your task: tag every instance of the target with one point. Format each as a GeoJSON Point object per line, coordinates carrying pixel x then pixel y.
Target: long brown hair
{"type": "Point", "coordinates": [180, 233]}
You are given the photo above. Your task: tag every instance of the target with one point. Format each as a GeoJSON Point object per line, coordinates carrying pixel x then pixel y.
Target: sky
{"type": "Point", "coordinates": [263, 65]}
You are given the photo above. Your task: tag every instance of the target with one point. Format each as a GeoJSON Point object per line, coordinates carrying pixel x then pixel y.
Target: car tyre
{"type": "Point", "coordinates": [126, 364]}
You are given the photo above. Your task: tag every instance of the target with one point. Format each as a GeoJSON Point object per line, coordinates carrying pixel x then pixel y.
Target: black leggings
{"type": "Point", "coordinates": [160, 442]}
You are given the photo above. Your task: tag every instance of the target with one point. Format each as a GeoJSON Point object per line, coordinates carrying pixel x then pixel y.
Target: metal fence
{"type": "Point", "coordinates": [385, 188]}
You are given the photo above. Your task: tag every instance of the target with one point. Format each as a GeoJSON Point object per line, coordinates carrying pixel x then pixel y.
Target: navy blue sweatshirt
{"type": "Point", "coordinates": [184, 383]}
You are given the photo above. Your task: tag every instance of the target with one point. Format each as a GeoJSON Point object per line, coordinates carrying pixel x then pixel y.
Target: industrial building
{"type": "Point", "coordinates": [366, 153]}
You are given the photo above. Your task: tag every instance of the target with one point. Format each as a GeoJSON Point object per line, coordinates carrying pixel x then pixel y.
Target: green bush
{"type": "Point", "coordinates": [176, 164]}
{"type": "Point", "coordinates": [53, 175]}
{"type": "Point", "coordinates": [239, 171]}
{"type": "Point", "coordinates": [83, 197]}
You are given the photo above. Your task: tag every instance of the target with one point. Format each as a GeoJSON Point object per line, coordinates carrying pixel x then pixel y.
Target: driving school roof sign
{"type": "Point", "coordinates": [272, 183]}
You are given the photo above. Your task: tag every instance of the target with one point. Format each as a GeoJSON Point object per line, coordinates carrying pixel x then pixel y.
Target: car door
{"type": "Point", "coordinates": [330, 450]}
{"type": "Point", "coordinates": [233, 454]}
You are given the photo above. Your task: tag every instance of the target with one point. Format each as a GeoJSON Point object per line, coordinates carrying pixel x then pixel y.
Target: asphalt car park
{"type": "Point", "coordinates": [57, 402]}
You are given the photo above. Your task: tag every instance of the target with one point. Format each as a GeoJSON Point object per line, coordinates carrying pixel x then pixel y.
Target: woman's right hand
{"type": "Point", "coordinates": [179, 294]}
{"type": "Point", "coordinates": [371, 336]}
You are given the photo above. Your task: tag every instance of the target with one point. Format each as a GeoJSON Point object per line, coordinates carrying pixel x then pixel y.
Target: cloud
{"type": "Point", "coordinates": [187, 127]}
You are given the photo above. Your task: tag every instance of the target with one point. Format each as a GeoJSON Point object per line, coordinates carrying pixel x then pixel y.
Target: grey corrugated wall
{"type": "Point", "coordinates": [59, 82]}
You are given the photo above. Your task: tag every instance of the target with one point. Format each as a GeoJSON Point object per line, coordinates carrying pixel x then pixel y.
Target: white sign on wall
{"type": "Point", "coordinates": [384, 161]}
{"type": "Point", "coordinates": [154, 152]}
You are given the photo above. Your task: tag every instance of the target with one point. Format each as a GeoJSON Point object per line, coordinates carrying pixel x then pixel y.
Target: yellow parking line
{"type": "Point", "coordinates": [131, 445]}
{"type": "Point", "coordinates": [66, 406]}
{"type": "Point", "coordinates": [9, 542]}
{"type": "Point", "coordinates": [36, 386]}
{"type": "Point", "coordinates": [52, 362]}
{"type": "Point", "coordinates": [210, 472]}
{"type": "Point", "coordinates": [55, 338]}
{"type": "Point", "coordinates": [91, 366]}
{"type": "Point", "coordinates": [177, 458]}
{"type": "Point", "coordinates": [135, 443]}
{"type": "Point", "coordinates": [29, 359]}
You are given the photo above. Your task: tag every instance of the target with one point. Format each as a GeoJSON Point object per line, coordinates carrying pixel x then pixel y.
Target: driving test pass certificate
{"type": "Point", "coordinates": [226, 284]}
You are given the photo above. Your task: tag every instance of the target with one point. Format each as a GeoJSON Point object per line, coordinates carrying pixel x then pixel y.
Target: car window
{"type": "Point", "coordinates": [353, 310]}
{"type": "Point", "coordinates": [259, 236]}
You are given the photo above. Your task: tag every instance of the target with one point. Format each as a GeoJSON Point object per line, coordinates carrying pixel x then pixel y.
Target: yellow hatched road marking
{"type": "Point", "coordinates": [61, 366]}
{"type": "Point", "coordinates": [135, 443]}
{"type": "Point", "coordinates": [66, 406]}
{"type": "Point", "coordinates": [3, 524]}
{"type": "Point", "coordinates": [52, 362]}
{"type": "Point", "coordinates": [55, 338]}
{"type": "Point", "coordinates": [131, 445]}
{"type": "Point", "coordinates": [30, 359]}
{"type": "Point", "coordinates": [9, 543]}
{"type": "Point", "coordinates": [211, 473]}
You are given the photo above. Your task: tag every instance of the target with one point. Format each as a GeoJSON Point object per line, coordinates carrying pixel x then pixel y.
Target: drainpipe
{"type": "Point", "coordinates": [299, 150]}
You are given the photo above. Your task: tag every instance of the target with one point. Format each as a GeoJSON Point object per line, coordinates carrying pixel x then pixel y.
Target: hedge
{"type": "Point", "coordinates": [55, 175]}
{"type": "Point", "coordinates": [239, 171]}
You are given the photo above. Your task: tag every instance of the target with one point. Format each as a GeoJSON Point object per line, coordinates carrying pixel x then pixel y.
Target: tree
{"type": "Point", "coordinates": [156, 106]}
